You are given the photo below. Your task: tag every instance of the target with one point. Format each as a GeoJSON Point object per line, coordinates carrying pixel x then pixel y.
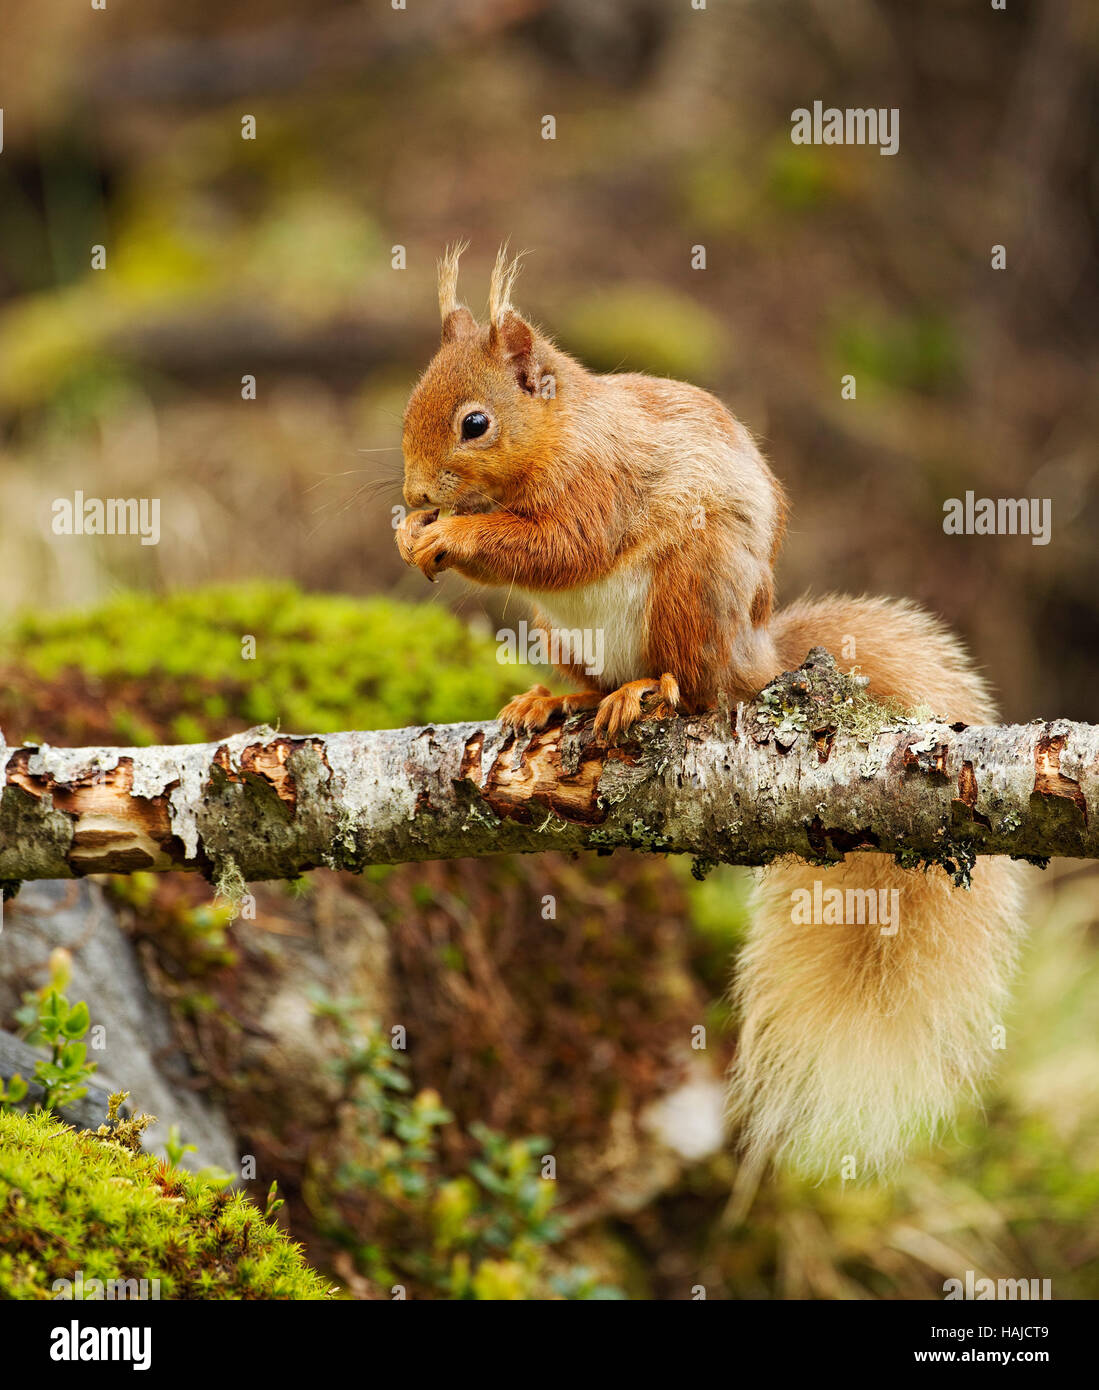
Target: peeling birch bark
{"type": "Point", "coordinates": [786, 775]}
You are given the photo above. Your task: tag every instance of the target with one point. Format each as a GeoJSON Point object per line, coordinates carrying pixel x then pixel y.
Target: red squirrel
{"type": "Point", "coordinates": [641, 507]}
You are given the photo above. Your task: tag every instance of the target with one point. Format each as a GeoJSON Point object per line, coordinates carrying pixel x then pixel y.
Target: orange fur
{"type": "Point", "coordinates": [643, 507]}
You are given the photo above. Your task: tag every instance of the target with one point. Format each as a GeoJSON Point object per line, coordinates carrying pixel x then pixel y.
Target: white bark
{"type": "Point", "coordinates": [776, 778]}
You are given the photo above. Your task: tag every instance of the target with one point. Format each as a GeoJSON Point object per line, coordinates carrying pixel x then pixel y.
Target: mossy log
{"type": "Point", "coordinates": [812, 768]}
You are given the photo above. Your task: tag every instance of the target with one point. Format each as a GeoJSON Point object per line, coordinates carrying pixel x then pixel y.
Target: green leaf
{"type": "Point", "coordinates": [15, 1091]}
{"type": "Point", "coordinates": [77, 1022]}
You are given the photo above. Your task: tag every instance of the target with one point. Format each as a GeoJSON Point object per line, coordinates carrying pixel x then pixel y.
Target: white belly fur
{"type": "Point", "coordinates": [615, 607]}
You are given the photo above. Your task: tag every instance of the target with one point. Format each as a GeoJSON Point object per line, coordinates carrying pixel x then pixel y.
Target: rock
{"type": "Point", "coordinates": [137, 1052]}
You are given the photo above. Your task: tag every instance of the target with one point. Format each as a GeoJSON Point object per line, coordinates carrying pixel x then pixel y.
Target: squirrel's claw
{"type": "Point", "coordinates": [410, 531]}
{"type": "Point", "coordinates": [623, 707]}
{"type": "Point", "coordinates": [537, 709]}
{"type": "Point", "coordinates": [425, 541]}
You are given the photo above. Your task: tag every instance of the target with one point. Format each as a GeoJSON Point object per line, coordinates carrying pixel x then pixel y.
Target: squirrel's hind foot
{"type": "Point", "coordinates": [537, 708]}
{"type": "Point", "coordinates": [624, 706]}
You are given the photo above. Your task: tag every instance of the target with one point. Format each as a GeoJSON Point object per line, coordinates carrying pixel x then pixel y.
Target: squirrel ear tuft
{"type": "Point", "coordinates": [459, 323]}
{"type": "Point", "coordinates": [512, 340]}
{"type": "Point", "coordinates": [448, 279]}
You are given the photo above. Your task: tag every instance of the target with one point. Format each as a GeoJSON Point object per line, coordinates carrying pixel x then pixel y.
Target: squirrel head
{"type": "Point", "coordinates": [481, 417]}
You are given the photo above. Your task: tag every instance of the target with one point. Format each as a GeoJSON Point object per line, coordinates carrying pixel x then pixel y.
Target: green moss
{"type": "Point", "coordinates": [182, 667]}
{"type": "Point", "coordinates": [132, 730]}
{"type": "Point", "coordinates": [74, 1202]}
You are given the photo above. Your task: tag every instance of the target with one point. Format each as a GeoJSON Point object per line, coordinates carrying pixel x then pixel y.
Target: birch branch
{"type": "Point", "coordinates": [811, 768]}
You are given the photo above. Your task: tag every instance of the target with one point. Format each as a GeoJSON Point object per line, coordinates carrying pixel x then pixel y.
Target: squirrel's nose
{"type": "Point", "coordinates": [415, 498]}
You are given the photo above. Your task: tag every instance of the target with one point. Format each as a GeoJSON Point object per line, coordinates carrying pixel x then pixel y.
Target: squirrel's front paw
{"type": "Point", "coordinates": [426, 542]}
{"type": "Point", "coordinates": [410, 530]}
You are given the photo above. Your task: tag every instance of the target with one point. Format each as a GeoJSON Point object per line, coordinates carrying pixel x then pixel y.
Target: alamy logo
{"type": "Point", "coordinates": [92, 1290]}
{"type": "Point", "coordinates": [836, 907]}
{"type": "Point", "coordinates": [76, 1343]}
{"type": "Point", "coordinates": [854, 125]}
{"type": "Point", "coordinates": [999, 516]}
{"type": "Point", "coordinates": [975, 1288]}
{"type": "Point", "coordinates": [107, 516]}
{"type": "Point", "coordinates": [554, 646]}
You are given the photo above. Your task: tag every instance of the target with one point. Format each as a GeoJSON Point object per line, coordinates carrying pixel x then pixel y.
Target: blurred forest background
{"type": "Point", "coordinates": [378, 128]}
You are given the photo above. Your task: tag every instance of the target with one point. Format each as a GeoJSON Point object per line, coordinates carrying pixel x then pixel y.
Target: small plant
{"type": "Point", "coordinates": [175, 1148]}
{"type": "Point", "coordinates": [486, 1233]}
{"type": "Point", "coordinates": [194, 935]}
{"type": "Point", "coordinates": [13, 1092]}
{"type": "Point", "coordinates": [49, 1020]}
{"type": "Point", "coordinates": [393, 1134]}
{"type": "Point", "coordinates": [274, 1201]}
{"type": "Point", "coordinates": [125, 1131]}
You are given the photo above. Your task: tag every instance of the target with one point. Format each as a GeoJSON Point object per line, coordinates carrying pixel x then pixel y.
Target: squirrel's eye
{"type": "Point", "coordinates": [474, 424]}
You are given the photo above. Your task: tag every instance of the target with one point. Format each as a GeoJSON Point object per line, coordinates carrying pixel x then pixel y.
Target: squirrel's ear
{"type": "Point", "coordinates": [512, 340]}
{"type": "Point", "coordinates": [459, 323]}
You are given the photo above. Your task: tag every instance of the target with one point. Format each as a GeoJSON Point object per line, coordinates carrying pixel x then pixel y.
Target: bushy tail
{"type": "Point", "coordinates": [856, 1038]}
{"type": "Point", "coordinates": [854, 1041]}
